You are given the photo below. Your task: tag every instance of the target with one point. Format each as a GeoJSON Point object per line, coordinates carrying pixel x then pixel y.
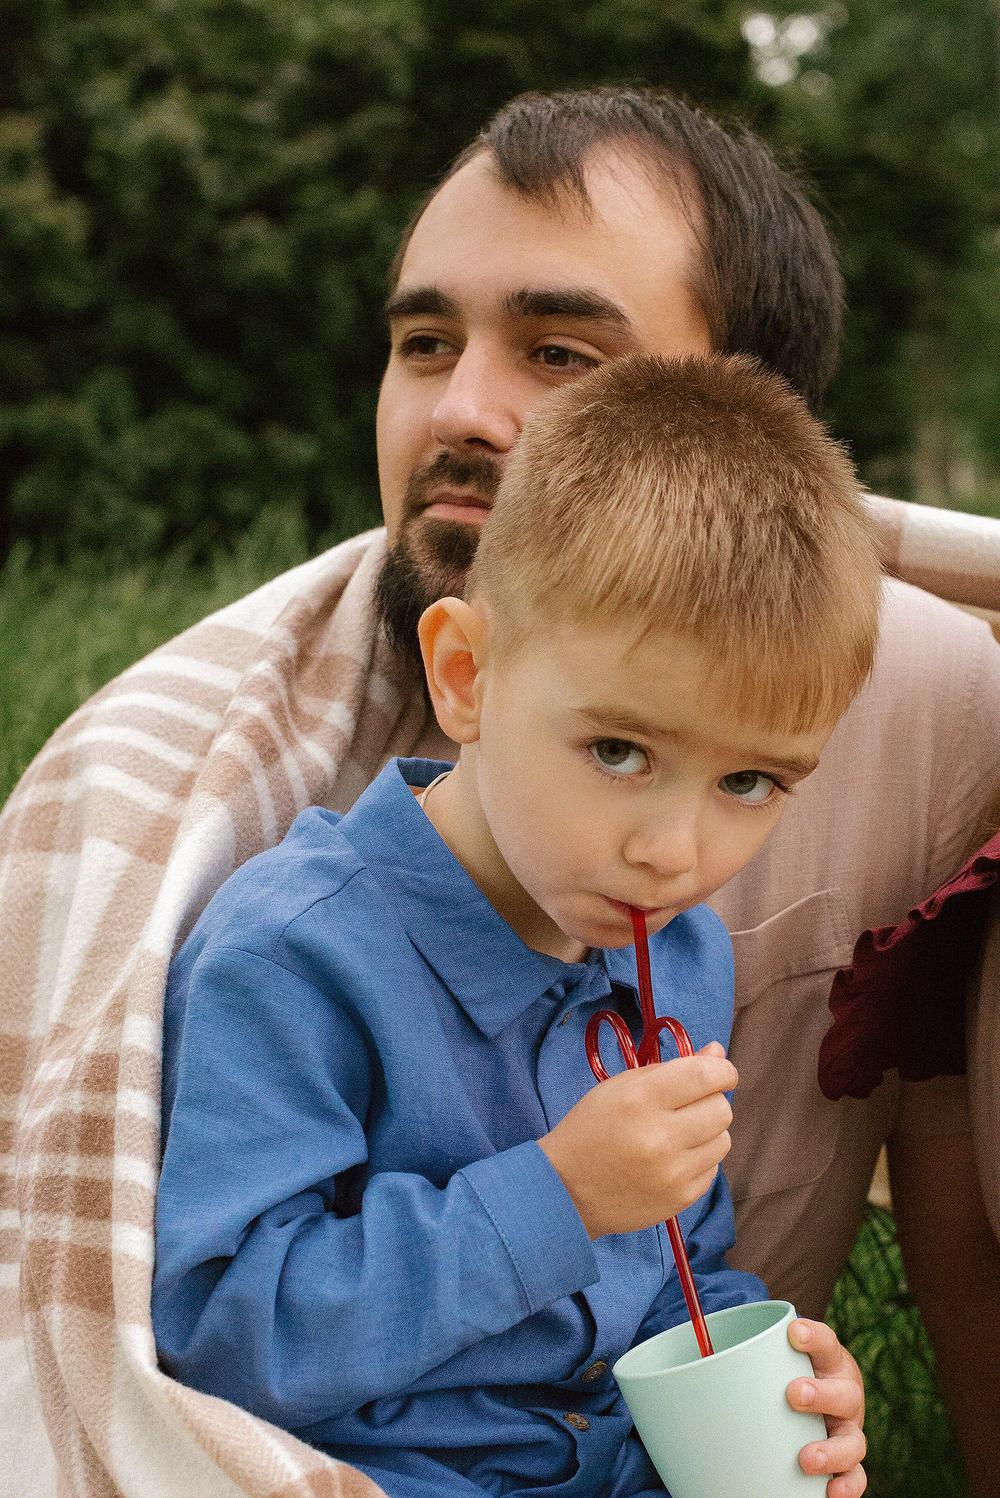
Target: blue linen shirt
{"type": "Point", "coordinates": [358, 1236]}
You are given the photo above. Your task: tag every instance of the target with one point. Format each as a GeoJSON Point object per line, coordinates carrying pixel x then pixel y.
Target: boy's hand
{"type": "Point", "coordinates": [645, 1143]}
{"type": "Point", "coordinates": [837, 1392]}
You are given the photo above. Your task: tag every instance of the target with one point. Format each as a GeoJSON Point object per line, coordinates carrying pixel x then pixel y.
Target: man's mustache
{"type": "Point", "coordinates": [474, 473]}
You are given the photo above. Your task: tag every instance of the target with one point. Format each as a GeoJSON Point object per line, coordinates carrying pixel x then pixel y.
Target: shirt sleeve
{"type": "Point", "coordinates": [271, 1289]}
{"type": "Point", "coordinates": [965, 803]}
{"type": "Point", "coordinates": [709, 1232]}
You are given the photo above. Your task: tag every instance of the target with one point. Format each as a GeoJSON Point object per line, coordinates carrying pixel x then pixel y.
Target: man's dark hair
{"type": "Point", "coordinates": [768, 280]}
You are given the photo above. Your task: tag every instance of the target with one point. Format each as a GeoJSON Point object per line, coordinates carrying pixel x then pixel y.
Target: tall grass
{"type": "Point", "coordinates": [66, 629]}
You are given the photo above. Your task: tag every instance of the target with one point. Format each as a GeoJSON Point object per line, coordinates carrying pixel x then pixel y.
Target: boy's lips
{"type": "Point", "coordinates": [643, 909]}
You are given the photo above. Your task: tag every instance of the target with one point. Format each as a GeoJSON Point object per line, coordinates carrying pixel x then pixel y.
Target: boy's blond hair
{"type": "Point", "coordinates": [695, 495]}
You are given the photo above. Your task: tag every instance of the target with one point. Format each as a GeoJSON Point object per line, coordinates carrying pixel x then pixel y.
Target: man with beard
{"type": "Point", "coordinates": [576, 228]}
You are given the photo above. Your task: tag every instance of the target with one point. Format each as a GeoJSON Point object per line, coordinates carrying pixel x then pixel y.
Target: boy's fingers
{"type": "Point", "coordinates": [689, 1078]}
{"type": "Point", "coordinates": [839, 1455]}
{"type": "Point", "coordinates": [833, 1364]}
{"type": "Point", "coordinates": [695, 1136]}
{"type": "Point", "coordinates": [836, 1459]}
{"type": "Point", "coordinates": [842, 1452]}
{"type": "Point", "coordinates": [822, 1344]}
{"type": "Point", "coordinates": [847, 1484]}
{"type": "Point", "coordinates": [837, 1393]}
{"type": "Point", "coordinates": [851, 1485]}
{"type": "Point", "coordinates": [839, 1398]}
{"type": "Point", "coordinates": [704, 1160]}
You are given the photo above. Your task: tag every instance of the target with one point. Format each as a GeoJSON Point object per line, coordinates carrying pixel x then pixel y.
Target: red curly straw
{"type": "Point", "coordinates": [648, 1055]}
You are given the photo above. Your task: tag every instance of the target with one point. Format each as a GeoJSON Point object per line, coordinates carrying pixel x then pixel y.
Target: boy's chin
{"type": "Point", "coordinates": [612, 935]}
{"type": "Point", "coordinates": [614, 943]}
{"type": "Point", "coordinates": [623, 939]}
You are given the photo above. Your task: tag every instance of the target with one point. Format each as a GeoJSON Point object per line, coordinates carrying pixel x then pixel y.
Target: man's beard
{"type": "Point", "coordinates": [431, 558]}
{"type": "Point", "coordinates": [415, 573]}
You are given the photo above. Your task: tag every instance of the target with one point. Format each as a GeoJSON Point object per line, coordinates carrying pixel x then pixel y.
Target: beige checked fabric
{"type": "Point", "coordinates": [130, 818]}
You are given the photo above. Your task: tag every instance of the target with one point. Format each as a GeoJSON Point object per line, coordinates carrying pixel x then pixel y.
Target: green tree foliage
{"type": "Point", "coordinates": [198, 203]}
{"type": "Point", "coordinates": [895, 109]}
{"type": "Point", "coordinates": [199, 200]}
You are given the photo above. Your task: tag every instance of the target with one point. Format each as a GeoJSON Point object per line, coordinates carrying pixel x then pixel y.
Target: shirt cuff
{"type": "Point", "coordinates": [535, 1219]}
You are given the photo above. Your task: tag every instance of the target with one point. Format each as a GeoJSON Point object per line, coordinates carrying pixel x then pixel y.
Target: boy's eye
{"type": "Point", "coordinates": [749, 785]}
{"type": "Point", "coordinates": [619, 756]}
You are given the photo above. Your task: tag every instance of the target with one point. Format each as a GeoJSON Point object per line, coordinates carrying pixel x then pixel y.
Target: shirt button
{"type": "Point", "coordinates": [578, 1422]}
{"type": "Point", "coordinates": [596, 1370]}
{"type": "Point", "coordinates": [565, 1018]}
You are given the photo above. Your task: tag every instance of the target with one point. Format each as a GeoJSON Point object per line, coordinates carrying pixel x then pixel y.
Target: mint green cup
{"type": "Point", "coordinates": [721, 1427]}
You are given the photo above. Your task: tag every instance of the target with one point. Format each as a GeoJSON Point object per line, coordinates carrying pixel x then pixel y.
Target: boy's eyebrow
{"type": "Point", "coordinates": [624, 723]}
{"type": "Point", "coordinates": [542, 301]}
{"type": "Point", "coordinates": [794, 766]}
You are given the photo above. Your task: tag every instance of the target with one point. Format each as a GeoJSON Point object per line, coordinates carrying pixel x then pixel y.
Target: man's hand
{"type": "Point", "coordinates": [837, 1392]}
{"type": "Point", "coordinates": [646, 1143]}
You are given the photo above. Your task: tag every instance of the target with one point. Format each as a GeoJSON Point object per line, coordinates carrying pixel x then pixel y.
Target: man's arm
{"type": "Point", "coordinates": [952, 1260]}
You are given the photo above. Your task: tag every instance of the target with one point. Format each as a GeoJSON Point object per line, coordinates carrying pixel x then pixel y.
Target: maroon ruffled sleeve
{"type": "Point", "coordinates": [901, 1003]}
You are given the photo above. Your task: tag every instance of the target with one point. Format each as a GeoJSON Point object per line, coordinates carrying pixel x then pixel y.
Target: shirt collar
{"type": "Point", "coordinates": [619, 963]}
{"type": "Point", "coordinates": [484, 964]}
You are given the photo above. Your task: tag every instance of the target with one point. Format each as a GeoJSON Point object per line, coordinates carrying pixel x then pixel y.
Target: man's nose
{"type": "Point", "coordinates": [477, 408]}
{"type": "Point", "coordinates": [666, 845]}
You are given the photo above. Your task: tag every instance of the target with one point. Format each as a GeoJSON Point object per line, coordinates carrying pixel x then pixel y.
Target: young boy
{"type": "Point", "coordinates": [396, 1215]}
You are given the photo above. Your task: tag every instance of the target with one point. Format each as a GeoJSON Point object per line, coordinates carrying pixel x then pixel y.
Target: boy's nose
{"type": "Point", "coordinates": [667, 847]}
{"type": "Point", "coordinates": [476, 406]}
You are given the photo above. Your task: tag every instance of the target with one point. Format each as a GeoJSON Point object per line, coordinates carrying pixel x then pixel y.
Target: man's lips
{"type": "Point", "coordinates": [452, 504]}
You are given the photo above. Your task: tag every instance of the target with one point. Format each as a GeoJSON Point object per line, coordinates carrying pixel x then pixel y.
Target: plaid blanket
{"type": "Point", "coordinates": [118, 834]}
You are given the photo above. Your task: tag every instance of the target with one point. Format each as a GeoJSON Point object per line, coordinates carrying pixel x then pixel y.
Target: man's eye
{"type": "Point", "coordinates": [751, 786]}
{"type": "Point", "coordinates": [557, 356]}
{"type": "Point", "coordinates": [619, 756]}
{"type": "Point", "coordinates": [423, 346]}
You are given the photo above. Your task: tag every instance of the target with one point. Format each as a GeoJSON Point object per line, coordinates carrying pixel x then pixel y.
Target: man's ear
{"type": "Point", "coordinates": [454, 636]}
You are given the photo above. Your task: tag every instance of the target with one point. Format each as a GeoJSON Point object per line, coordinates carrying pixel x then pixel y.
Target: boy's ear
{"type": "Point", "coordinates": [453, 641]}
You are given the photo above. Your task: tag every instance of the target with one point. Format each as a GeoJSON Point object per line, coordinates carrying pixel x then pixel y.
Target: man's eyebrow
{"type": "Point", "coordinates": [623, 723]}
{"type": "Point", "coordinates": [565, 301]}
{"type": "Point", "coordinates": [421, 301]}
{"type": "Point", "coordinates": [530, 301]}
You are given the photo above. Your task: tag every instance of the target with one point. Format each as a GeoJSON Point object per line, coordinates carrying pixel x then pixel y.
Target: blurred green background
{"type": "Point", "coordinates": [198, 203]}
{"type": "Point", "coordinates": [199, 200]}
